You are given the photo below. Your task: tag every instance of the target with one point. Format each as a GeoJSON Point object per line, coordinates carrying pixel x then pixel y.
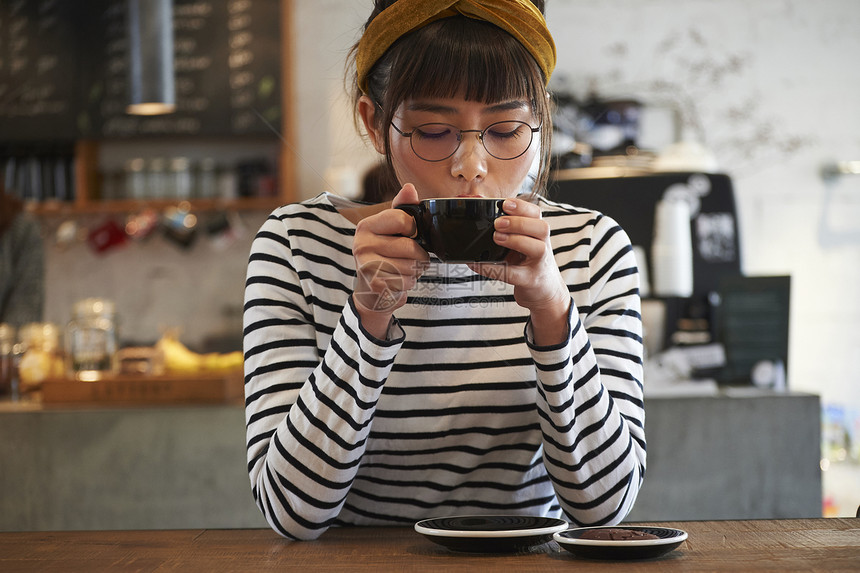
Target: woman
{"type": "Point", "coordinates": [383, 387]}
{"type": "Point", "coordinates": [22, 272]}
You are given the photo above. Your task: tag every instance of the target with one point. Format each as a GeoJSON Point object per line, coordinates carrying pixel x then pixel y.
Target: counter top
{"type": "Point", "coordinates": [763, 545]}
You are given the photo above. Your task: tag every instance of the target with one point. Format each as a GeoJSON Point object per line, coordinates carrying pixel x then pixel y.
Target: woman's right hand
{"type": "Point", "coordinates": [388, 263]}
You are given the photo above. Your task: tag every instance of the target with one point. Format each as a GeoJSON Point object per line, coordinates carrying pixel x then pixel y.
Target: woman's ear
{"type": "Point", "coordinates": [367, 111]}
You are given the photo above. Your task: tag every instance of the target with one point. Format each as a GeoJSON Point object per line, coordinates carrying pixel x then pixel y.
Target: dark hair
{"type": "Point", "coordinates": [379, 184]}
{"type": "Point", "coordinates": [452, 56]}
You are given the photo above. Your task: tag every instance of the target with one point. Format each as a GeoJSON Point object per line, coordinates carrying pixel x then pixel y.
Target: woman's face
{"type": "Point", "coordinates": [471, 171]}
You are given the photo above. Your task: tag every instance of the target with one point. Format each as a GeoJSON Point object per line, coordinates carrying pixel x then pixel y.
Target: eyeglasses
{"type": "Point", "coordinates": [439, 141]}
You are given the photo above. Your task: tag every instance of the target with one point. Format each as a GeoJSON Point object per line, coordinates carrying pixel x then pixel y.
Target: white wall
{"type": "Point", "coordinates": [328, 140]}
{"type": "Point", "coordinates": [772, 87]}
{"type": "Point", "coordinates": [157, 284]}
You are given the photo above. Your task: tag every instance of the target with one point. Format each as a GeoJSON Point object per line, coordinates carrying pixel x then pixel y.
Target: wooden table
{"type": "Point", "coordinates": [759, 545]}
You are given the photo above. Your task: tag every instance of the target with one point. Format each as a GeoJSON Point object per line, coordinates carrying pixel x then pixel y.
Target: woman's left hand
{"type": "Point", "coordinates": [531, 268]}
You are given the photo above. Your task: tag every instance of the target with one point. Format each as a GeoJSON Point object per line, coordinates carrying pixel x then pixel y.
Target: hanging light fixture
{"type": "Point", "coordinates": [150, 41]}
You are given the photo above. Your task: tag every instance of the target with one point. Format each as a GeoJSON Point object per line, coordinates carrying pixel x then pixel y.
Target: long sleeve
{"type": "Point", "coordinates": [590, 390]}
{"type": "Point", "coordinates": [309, 405]}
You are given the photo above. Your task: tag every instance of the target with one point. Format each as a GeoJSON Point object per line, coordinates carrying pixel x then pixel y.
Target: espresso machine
{"type": "Point", "coordinates": [690, 312]}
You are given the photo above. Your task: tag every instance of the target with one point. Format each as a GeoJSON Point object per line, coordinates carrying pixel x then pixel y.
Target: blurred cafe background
{"type": "Point", "coordinates": [723, 136]}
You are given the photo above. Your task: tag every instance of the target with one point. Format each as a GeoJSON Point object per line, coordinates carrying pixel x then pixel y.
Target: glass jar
{"type": "Point", "coordinates": [91, 340]}
{"type": "Point", "coordinates": [183, 184]}
{"type": "Point", "coordinates": [207, 178]}
{"type": "Point", "coordinates": [38, 355]}
{"type": "Point", "coordinates": [135, 179]}
{"type": "Point", "coordinates": [156, 178]}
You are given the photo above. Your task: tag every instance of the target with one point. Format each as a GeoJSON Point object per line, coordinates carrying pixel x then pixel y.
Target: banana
{"type": "Point", "coordinates": [223, 362]}
{"type": "Point", "coordinates": [178, 358]}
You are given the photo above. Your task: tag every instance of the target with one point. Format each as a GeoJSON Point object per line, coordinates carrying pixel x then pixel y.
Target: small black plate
{"type": "Point", "coordinates": [621, 549]}
{"type": "Point", "coordinates": [490, 533]}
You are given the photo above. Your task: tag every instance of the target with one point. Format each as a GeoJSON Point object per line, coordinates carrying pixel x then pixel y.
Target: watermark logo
{"type": "Point", "coordinates": [380, 287]}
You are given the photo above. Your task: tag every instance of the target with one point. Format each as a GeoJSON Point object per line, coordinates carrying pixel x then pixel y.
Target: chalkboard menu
{"type": "Point", "coordinates": [753, 324]}
{"type": "Point", "coordinates": [38, 70]}
{"type": "Point", "coordinates": [64, 66]}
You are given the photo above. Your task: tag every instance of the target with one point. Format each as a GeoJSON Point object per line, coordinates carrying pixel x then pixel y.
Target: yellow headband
{"type": "Point", "coordinates": [520, 18]}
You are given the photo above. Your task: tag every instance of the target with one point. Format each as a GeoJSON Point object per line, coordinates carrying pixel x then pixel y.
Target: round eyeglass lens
{"type": "Point", "coordinates": [507, 139]}
{"type": "Point", "coordinates": [435, 141]}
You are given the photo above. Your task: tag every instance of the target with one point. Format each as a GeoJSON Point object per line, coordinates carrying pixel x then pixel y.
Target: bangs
{"type": "Point", "coordinates": [460, 56]}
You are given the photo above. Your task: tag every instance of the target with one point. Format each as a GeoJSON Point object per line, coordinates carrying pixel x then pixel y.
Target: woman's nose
{"type": "Point", "coordinates": [470, 159]}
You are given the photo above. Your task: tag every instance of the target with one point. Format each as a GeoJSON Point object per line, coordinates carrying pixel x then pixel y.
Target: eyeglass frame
{"type": "Point", "coordinates": [480, 133]}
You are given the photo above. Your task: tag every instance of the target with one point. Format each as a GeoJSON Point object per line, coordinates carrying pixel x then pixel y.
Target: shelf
{"type": "Point", "coordinates": [86, 163]}
{"type": "Point", "coordinates": [63, 209]}
{"type": "Point", "coordinates": [168, 389]}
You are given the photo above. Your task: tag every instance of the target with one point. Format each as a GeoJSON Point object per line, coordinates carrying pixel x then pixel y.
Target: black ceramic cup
{"type": "Point", "coordinates": [458, 230]}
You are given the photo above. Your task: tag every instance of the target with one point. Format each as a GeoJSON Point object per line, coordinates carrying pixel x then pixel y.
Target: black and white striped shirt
{"type": "Point", "coordinates": [456, 412]}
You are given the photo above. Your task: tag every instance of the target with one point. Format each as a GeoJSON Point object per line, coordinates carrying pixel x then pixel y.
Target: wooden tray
{"type": "Point", "coordinates": [136, 389]}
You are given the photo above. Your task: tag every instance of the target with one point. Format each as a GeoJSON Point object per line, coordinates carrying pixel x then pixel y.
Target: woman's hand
{"type": "Point", "coordinates": [388, 263]}
{"type": "Point", "coordinates": [531, 269]}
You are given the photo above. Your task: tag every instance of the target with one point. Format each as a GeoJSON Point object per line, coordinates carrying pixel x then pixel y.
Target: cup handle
{"type": "Point", "coordinates": [416, 212]}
